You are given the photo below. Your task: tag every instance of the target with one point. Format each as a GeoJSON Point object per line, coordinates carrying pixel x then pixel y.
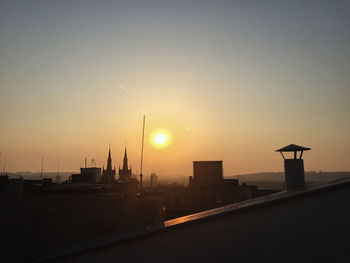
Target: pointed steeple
{"type": "Point", "coordinates": [108, 175]}
{"type": "Point", "coordinates": [125, 161]}
{"type": "Point", "coordinates": [109, 160]}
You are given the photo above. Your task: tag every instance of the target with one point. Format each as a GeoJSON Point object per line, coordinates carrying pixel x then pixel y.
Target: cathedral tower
{"type": "Point", "coordinates": [125, 172]}
{"type": "Point", "coordinates": [109, 173]}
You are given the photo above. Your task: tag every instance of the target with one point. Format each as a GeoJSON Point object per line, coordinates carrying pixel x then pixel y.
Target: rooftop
{"type": "Point", "coordinates": [310, 223]}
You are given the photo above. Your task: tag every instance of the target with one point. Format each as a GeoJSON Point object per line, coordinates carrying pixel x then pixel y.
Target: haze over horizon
{"type": "Point", "coordinates": [224, 80]}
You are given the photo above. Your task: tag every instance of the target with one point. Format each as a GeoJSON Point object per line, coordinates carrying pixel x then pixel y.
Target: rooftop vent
{"type": "Point", "coordinates": [294, 168]}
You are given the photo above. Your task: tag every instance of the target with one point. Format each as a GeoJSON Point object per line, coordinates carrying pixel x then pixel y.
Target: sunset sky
{"type": "Point", "coordinates": [226, 80]}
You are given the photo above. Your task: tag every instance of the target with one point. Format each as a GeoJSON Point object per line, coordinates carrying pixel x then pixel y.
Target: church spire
{"type": "Point", "coordinates": [109, 160]}
{"type": "Point", "coordinates": [125, 161]}
{"type": "Point", "coordinates": [125, 173]}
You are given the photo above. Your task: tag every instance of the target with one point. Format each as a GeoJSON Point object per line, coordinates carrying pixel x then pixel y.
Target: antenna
{"type": "Point", "coordinates": [42, 168]}
{"type": "Point", "coordinates": [143, 137]}
{"type": "Point", "coordinates": [4, 164]}
{"type": "Point", "coordinates": [58, 177]}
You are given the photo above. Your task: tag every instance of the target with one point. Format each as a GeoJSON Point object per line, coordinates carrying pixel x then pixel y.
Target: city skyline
{"type": "Point", "coordinates": [229, 81]}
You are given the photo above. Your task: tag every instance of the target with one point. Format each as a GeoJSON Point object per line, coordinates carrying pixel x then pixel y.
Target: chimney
{"type": "Point", "coordinates": [294, 168]}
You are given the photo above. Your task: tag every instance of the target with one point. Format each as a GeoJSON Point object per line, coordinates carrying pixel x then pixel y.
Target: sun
{"type": "Point", "coordinates": [160, 139]}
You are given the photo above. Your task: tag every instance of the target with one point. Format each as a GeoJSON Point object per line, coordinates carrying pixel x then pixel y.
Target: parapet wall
{"type": "Point", "coordinates": [39, 223]}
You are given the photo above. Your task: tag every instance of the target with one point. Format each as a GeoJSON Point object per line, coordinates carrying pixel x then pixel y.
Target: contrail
{"type": "Point", "coordinates": [123, 88]}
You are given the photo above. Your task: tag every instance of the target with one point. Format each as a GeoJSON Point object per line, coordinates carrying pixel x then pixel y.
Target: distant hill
{"type": "Point", "coordinates": [279, 176]}
{"type": "Point", "coordinates": [275, 180]}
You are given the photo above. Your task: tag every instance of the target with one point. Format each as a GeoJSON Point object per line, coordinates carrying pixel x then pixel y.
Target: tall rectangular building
{"type": "Point", "coordinates": [207, 173]}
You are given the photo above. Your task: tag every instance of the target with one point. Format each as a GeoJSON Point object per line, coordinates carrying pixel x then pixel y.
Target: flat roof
{"type": "Point", "coordinates": [285, 225]}
{"type": "Point", "coordinates": [207, 161]}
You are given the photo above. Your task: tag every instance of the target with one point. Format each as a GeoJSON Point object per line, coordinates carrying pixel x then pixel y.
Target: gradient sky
{"type": "Point", "coordinates": [230, 80]}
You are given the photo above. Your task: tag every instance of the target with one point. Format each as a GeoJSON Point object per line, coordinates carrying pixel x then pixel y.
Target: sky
{"type": "Point", "coordinates": [224, 80]}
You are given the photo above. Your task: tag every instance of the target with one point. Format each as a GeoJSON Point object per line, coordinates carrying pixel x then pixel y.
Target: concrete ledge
{"type": "Point", "coordinates": [125, 236]}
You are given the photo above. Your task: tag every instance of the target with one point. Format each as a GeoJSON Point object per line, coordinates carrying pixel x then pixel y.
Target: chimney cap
{"type": "Point", "coordinates": [293, 148]}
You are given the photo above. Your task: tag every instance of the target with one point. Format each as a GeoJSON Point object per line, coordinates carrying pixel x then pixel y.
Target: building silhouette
{"type": "Point", "coordinates": [207, 174]}
{"type": "Point", "coordinates": [108, 175]}
{"type": "Point", "coordinates": [207, 189]}
{"type": "Point", "coordinates": [125, 172]}
{"type": "Point", "coordinates": [126, 185]}
{"type": "Point", "coordinates": [90, 175]}
{"type": "Point", "coordinates": [154, 180]}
